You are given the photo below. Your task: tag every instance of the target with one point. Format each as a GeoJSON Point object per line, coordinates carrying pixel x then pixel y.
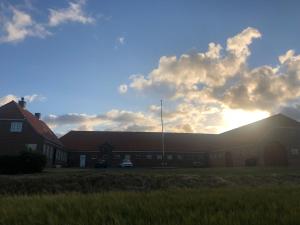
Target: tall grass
{"type": "Point", "coordinates": [234, 206]}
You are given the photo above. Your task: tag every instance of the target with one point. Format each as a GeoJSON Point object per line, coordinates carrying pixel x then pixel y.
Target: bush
{"type": "Point", "coordinates": [26, 162]}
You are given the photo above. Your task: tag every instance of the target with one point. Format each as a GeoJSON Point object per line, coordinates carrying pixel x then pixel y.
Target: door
{"type": "Point", "coordinates": [275, 154]}
{"type": "Point", "coordinates": [82, 161]}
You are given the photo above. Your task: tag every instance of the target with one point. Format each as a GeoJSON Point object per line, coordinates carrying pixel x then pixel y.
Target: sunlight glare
{"type": "Point", "coordinates": [234, 118]}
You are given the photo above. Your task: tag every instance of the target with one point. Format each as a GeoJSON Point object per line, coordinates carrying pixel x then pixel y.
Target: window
{"type": "Point", "coordinates": [31, 147]}
{"type": "Point", "coordinates": [16, 127]}
{"type": "Point", "coordinates": [169, 157]}
{"type": "Point", "coordinates": [179, 157]}
{"type": "Point", "coordinates": [149, 156]}
{"type": "Point", "coordinates": [127, 157]}
{"type": "Point", "coordinates": [117, 156]}
{"type": "Point", "coordinates": [295, 151]}
{"type": "Point", "coordinates": [159, 157]}
{"type": "Point", "coordinates": [58, 155]}
{"type": "Point", "coordinates": [44, 149]}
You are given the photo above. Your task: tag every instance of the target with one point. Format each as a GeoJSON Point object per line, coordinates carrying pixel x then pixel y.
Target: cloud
{"type": "Point", "coordinates": [19, 26]}
{"type": "Point", "coordinates": [121, 40]}
{"type": "Point", "coordinates": [74, 13]}
{"type": "Point", "coordinates": [190, 73]}
{"type": "Point", "coordinates": [112, 120]}
{"type": "Point", "coordinates": [122, 88]}
{"type": "Point", "coordinates": [223, 77]}
{"type": "Point", "coordinates": [28, 98]}
{"type": "Point", "coordinates": [17, 23]}
{"type": "Point", "coordinates": [206, 92]}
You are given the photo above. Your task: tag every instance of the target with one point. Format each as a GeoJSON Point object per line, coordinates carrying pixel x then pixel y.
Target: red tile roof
{"type": "Point", "coordinates": [137, 141]}
{"type": "Point", "coordinates": [180, 142]}
{"type": "Point", "coordinates": [12, 110]}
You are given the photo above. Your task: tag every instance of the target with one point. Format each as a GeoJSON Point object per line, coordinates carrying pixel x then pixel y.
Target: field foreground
{"type": "Point", "coordinates": [236, 196]}
{"type": "Point", "coordinates": [185, 206]}
{"type": "Point", "coordinates": [56, 181]}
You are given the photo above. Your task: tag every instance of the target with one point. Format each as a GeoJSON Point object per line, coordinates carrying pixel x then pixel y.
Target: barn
{"type": "Point", "coordinates": [144, 149]}
{"type": "Point", "coordinates": [274, 141]}
{"type": "Point", "coordinates": [21, 130]}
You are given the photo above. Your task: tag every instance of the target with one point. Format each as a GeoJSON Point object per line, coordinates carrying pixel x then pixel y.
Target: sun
{"type": "Point", "coordinates": [233, 118]}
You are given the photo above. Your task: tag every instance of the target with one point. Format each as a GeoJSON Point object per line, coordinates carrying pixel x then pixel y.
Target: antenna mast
{"type": "Point", "coordinates": [162, 133]}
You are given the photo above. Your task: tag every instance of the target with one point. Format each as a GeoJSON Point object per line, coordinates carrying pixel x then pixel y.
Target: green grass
{"type": "Point", "coordinates": [55, 181]}
{"type": "Point", "coordinates": [232, 206]}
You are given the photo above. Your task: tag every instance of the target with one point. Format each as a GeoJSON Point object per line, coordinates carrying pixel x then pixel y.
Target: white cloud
{"type": "Point", "coordinates": [205, 92]}
{"type": "Point", "coordinates": [7, 99]}
{"type": "Point", "coordinates": [123, 88]}
{"type": "Point", "coordinates": [223, 77]}
{"type": "Point", "coordinates": [121, 40]}
{"type": "Point", "coordinates": [20, 26]}
{"type": "Point", "coordinates": [204, 87]}
{"type": "Point", "coordinates": [74, 13]}
{"type": "Point", "coordinates": [17, 23]}
{"type": "Point", "coordinates": [28, 98]}
{"type": "Point", "coordinates": [112, 120]}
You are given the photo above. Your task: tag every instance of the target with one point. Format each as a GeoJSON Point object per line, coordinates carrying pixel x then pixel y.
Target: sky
{"type": "Point", "coordinates": [105, 65]}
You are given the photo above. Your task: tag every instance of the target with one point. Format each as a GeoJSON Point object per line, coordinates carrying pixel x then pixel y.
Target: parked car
{"type": "Point", "coordinates": [126, 163]}
{"type": "Point", "coordinates": [101, 164]}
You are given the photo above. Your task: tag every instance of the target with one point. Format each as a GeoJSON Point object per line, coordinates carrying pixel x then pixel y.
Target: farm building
{"type": "Point", "coordinates": [21, 130]}
{"type": "Point", "coordinates": [274, 141]}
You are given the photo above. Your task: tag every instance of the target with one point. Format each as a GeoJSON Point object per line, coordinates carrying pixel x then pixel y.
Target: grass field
{"type": "Point", "coordinates": [93, 181]}
{"type": "Point", "coordinates": [216, 206]}
{"type": "Point", "coordinates": [150, 196]}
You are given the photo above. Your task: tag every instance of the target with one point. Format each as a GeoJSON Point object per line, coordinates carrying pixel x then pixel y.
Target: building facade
{"type": "Point", "coordinates": [274, 141]}
{"type": "Point", "coordinates": [21, 130]}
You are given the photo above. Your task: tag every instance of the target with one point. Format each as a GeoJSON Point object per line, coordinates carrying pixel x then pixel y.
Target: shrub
{"type": "Point", "coordinates": [9, 164]}
{"type": "Point", "coordinates": [26, 162]}
{"type": "Point", "coordinates": [32, 162]}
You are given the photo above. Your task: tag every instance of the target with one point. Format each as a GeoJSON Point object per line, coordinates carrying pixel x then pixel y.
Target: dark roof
{"type": "Point", "coordinates": [181, 142]}
{"type": "Point", "coordinates": [137, 141]}
{"type": "Point", "coordinates": [12, 110]}
{"type": "Point", "coordinates": [257, 131]}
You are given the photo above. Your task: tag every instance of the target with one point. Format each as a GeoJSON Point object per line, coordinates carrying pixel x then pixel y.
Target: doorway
{"type": "Point", "coordinates": [275, 154]}
{"type": "Point", "coordinates": [82, 161]}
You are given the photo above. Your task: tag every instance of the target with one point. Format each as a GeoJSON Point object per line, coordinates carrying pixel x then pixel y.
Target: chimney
{"type": "Point", "coordinates": [37, 115]}
{"type": "Point", "coordinates": [22, 103]}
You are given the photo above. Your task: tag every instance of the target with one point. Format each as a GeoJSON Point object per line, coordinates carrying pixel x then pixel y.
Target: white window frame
{"type": "Point", "coordinates": [16, 127]}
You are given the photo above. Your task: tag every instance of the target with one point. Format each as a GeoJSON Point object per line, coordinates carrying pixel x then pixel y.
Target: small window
{"type": "Point", "coordinates": [149, 156]}
{"type": "Point", "coordinates": [295, 151]}
{"type": "Point", "coordinates": [58, 155]}
{"type": "Point", "coordinates": [127, 157]}
{"type": "Point", "coordinates": [159, 157]}
{"type": "Point", "coordinates": [44, 149]}
{"type": "Point", "coordinates": [16, 127]}
{"type": "Point", "coordinates": [31, 147]}
{"type": "Point", "coordinates": [169, 157]}
{"type": "Point", "coordinates": [179, 157]}
{"type": "Point", "coordinates": [117, 156]}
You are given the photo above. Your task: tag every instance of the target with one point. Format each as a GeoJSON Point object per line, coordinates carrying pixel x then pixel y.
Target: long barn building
{"type": "Point", "coordinates": [274, 141]}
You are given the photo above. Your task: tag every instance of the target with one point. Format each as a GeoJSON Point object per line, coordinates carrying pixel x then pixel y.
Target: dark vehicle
{"type": "Point", "coordinates": [101, 164]}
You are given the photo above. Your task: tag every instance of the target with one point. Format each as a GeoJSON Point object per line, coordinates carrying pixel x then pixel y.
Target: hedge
{"type": "Point", "coordinates": [25, 162]}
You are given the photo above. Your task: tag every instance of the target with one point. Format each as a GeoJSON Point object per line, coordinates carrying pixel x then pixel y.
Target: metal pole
{"type": "Point", "coordinates": [162, 133]}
